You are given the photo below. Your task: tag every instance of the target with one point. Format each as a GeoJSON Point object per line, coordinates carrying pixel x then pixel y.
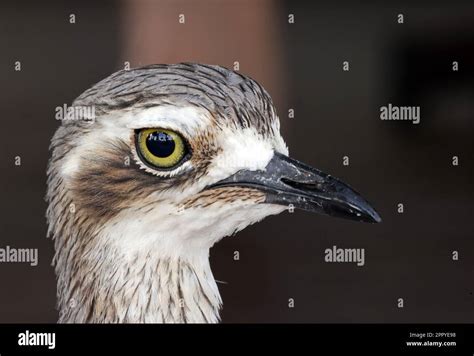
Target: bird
{"type": "Point", "coordinates": [175, 158]}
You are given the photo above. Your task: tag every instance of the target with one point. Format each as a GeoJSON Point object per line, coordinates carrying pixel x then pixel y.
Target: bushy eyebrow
{"type": "Point", "coordinates": [188, 120]}
{"type": "Point", "coordinates": [231, 98]}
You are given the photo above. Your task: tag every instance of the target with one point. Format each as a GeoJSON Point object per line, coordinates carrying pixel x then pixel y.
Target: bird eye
{"type": "Point", "coordinates": [161, 148]}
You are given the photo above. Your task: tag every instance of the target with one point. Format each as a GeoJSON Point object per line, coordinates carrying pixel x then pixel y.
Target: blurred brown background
{"type": "Point", "coordinates": [336, 114]}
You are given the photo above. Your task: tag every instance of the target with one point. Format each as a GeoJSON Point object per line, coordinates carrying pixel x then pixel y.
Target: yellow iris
{"type": "Point", "coordinates": [161, 148]}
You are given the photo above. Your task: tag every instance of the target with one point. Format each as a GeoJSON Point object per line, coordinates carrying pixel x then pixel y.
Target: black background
{"type": "Point", "coordinates": [408, 256]}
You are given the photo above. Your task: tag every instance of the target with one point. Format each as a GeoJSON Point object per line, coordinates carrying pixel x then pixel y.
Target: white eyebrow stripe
{"type": "Point", "coordinates": [189, 119]}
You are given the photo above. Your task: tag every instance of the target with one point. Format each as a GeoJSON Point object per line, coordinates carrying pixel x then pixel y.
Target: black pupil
{"type": "Point", "coordinates": [160, 144]}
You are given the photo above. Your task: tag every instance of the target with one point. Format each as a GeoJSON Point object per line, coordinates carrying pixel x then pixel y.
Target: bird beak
{"type": "Point", "coordinates": [287, 182]}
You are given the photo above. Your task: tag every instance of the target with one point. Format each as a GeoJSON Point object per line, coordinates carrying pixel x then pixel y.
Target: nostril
{"type": "Point", "coordinates": [313, 187]}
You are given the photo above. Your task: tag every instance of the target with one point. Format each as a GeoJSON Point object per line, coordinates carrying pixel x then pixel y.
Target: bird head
{"type": "Point", "coordinates": [179, 156]}
{"type": "Point", "coordinates": [155, 166]}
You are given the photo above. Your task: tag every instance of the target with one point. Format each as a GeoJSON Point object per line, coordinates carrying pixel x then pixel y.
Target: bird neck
{"type": "Point", "coordinates": [110, 275]}
{"type": "Point", "coordinates": [136, 289]}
